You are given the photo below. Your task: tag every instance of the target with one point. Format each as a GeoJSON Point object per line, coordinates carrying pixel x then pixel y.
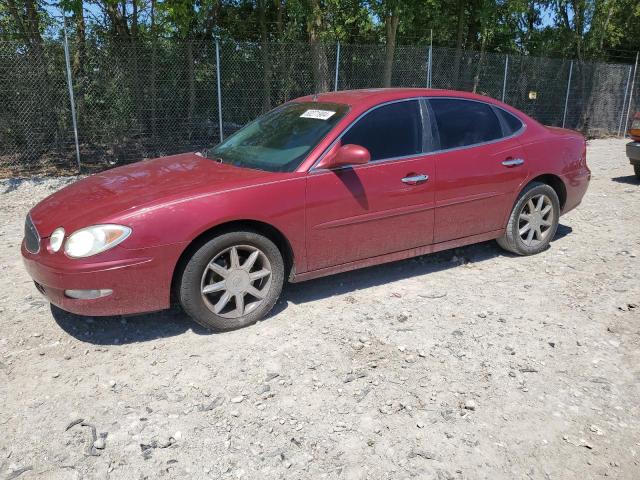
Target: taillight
{"type": "Point", "coordinates": [634, 130]}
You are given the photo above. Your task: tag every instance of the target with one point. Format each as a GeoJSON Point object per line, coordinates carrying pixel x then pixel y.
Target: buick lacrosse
{"type": "Point", "coordinates": [320, 185]}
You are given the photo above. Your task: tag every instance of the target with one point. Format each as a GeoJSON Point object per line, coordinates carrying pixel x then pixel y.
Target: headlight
{"type": "Point", "coordinates": [93, 240]}
{"type": "Point", "coordinates": [55, 240]}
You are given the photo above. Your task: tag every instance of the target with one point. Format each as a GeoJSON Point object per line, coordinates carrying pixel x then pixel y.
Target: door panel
{"type": "Point", "coordinates": [365, 211]}
{"type": "Point", "coordinates": [475, 190]}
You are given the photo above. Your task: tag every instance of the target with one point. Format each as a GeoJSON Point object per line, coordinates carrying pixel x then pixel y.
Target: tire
{"type": "Point", "coordinates": [636, 169]}
{"type": "Point", "coordinates": [543, 225]}
{"type": "Point", "coordinates": [217, 289]}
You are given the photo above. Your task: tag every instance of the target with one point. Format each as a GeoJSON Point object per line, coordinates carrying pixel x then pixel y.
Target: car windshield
{"type": "Point", "coordinates": [279, 140]}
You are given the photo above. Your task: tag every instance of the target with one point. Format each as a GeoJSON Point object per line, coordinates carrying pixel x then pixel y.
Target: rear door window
{"type": "Point", "coordinates": [464, 122]}
{"type": "Point", "coordinates": [389, 131]}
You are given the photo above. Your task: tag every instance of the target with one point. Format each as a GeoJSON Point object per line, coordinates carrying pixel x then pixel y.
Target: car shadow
{"type": "Point", "coordinates": [118, 330]}
{"type": "Point", "coordinates": [377, 275]}
{"type": "Point", "coordinates": [629, 179]}
{"type": "Point", "coordinates": [561, 232]}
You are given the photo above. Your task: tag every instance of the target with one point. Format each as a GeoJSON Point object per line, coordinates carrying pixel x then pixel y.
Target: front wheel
{"type": "Point", "coordinates": [533, 221]}
{"type": "Point", "coordinates": [232, 281]}
{"type": "Point", "coordinates": [636, 169]}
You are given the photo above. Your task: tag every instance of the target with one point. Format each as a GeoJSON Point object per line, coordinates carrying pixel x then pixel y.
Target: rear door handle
{"type": "Point", "coordinates": [513, 162]}
{"type": "Point", "coordinates": [415, 179]}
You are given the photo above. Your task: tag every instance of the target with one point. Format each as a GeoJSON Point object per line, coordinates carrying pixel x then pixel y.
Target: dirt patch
{"type": "Point", "coordinates": [466, 364]}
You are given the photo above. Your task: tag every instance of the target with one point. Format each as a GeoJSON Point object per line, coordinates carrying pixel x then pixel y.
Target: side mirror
{"type": "Point", "coordinates": [344, 156]}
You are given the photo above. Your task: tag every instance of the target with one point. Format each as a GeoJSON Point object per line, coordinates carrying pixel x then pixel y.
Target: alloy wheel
{"type": "Point", "coordinates": [535, 220]}
{"type": "Point", "coordinates": [236, 281]}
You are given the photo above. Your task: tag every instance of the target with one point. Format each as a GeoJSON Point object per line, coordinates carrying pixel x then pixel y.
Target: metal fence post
{"type": "Point", "coordinates": [504, 80]}
{"type": "Point", "coordinates": [219, 89]}
{"type": "Point", "coordinates": [633, 83]}
{"type": "Point", "coordinates": [566, 98]}
{"type": "Point", "coordinates": [430, 61]}
{"type": "Point", "coordinates": [335, 82]}
{"type": "Point", "coordinates": [624, 100]}
{"type": "Point", "coordinates": [71, 97]}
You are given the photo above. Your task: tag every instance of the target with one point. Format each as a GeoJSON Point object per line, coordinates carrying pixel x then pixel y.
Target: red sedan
{"type": "Point", "coordinates": [320, 185]}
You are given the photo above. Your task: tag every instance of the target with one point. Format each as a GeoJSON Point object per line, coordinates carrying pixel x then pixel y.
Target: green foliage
{"type": "Point", "coordinates": [569, 28]}
{"type": "Point", "coordinates": [144, 72]}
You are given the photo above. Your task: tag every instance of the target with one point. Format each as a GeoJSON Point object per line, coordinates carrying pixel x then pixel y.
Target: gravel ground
{"type": "Point", "coordinates": [469, 364]}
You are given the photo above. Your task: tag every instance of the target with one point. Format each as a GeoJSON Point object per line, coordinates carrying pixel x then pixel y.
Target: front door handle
{"type": "Point", "coordinates": [513, 162]}
{"type": "Point", "coordinates": [415, 179]}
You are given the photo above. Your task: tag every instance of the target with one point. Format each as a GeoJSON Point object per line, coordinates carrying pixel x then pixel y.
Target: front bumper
{"type": "Point", "coordinates": [140, 279]}
{"type": "Point", "coordinates": [633, 152]}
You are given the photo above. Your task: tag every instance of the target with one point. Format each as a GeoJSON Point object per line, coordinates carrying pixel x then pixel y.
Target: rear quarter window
{"type": "Point", "coordinates": [464, 122]}
{"type": "Point", "coordinates": [511, 123]}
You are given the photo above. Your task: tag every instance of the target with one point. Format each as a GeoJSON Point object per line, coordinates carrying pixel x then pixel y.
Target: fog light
{"type": "Point", "coordinates": [88, 294]}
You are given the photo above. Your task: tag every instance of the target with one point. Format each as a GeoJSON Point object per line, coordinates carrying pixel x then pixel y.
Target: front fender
{"type": "Point", "coordinates": [280, 204]}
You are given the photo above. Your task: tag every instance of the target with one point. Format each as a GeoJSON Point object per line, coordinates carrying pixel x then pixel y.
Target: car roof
{"type": "Point", "coordinates": [372, 96]}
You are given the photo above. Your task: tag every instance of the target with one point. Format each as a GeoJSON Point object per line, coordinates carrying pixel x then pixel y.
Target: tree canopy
{"type": "Point", "coordinates": [144, 73]}
{"type": "Point", "coordinates": [582, 29]}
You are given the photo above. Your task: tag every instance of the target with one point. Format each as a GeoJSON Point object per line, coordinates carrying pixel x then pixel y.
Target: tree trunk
{"type": "Point", "coordinates": [117, 20]}
{"type": "Point", "coordinates": [136, 84]}
{"type": "Point", "coordinates": [473, 24]}
{"type": "Point", "coordinates": [578, 22]}
{"type": "Point", "coordinates": [152, 79]}
{"type": "Point", "coordinates": [191, 79]}
{"type": "Point", "coordinates": [37, 108]}
{"type": "Point", "coordinates": [278, 62]}
{"type": "Point", "coordinates": [33, 26]}
{"type": "Point", "coordinates": [28, 24]}
{"type": "Point", "coordinates": [605, 26]}
{"type": "Point", "coordinates": [318, 53]}
{"type": "Point", "coordinates": [266, 60]}
{"type": "Point", "coordinates": [320, 66]}
{"type": "Point", "coordinates": [211, 22]}
{"type": "Point", "coordinates": [79, 60]}
{"type": "Point", "coordinates": [459, 40]}
{"type": "Point", "coordinates": [483, 47]}
{"type": "Point", "coordinates": [279, 13]}
{"type": "Point", "coordinates": [579, 7]}
{"type": "Point", "coordinates": [467, 76]}
{"type": "Point", "coordinates": [391, 29]}
{"type": "Point", "coordinates": [17, 20]}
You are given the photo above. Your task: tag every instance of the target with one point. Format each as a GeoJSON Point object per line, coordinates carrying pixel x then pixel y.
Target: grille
{"type": "Point", "coordinates": [31, 237]}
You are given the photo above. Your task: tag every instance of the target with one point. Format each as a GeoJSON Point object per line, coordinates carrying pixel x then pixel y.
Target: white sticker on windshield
{"type": "Point", "coordinates": [318, 114]}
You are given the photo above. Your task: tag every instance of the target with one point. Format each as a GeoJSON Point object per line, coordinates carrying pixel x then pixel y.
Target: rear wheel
{"type": "Point", "coordinates": [232, 280]}
{"type": "Point", "coordinates": [533, 221]}
{"type": "Point", "coordinates": [636, 169]}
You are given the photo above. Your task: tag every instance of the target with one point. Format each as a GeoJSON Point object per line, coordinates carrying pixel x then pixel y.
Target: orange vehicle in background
{"type": "Point", "coordinates": [633, 147]}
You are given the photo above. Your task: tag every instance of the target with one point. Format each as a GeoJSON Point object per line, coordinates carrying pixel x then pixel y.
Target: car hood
{"type": "Point", "coordinates": [99, 197]}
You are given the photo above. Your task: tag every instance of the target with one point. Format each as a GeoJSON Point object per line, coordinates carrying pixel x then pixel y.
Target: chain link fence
{"type": "Point", "coordinates": [136, 100]}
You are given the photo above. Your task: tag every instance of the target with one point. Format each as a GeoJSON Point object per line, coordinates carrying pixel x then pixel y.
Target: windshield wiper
{"type": "Point", "coordinates": [205, 153]}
